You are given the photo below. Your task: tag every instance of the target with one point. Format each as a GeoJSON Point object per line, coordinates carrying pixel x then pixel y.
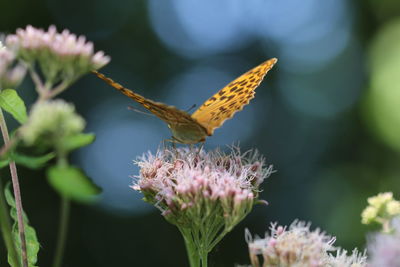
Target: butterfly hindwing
{"type": "Point", "coordinates": [232, 98]}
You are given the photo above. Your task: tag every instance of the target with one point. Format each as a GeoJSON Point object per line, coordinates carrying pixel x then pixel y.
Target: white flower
{"type": "Point", "coordinates": [381, 209]}
{"type": "Point", "coordinates": [298, 246]}
{"type": "Point", "coordinates": [342, 259]}
{"type": "Point", "coordinates": [50, 122]}
{"type": "Point", "coordinates": [384, 248]}
{"type": "Point", "coordinates": [380, 199]}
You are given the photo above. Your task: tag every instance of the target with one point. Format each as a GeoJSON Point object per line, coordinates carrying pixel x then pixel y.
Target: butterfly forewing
{"type": "Point", "coordinates": [169, 114]}
{"type": "Point", "coordinates": [230, 99]}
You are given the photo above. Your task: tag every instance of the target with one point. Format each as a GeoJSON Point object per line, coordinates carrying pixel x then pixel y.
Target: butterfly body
{"type": "Point", "coordinates": [188, 133]}
{"type": "Point", "coordinates": [192, 129]}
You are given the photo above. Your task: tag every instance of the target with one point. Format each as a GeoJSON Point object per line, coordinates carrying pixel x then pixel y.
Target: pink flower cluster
{"type": "Point", "coordinates": [31, 42]}
{"type": "Point", "coordinates": [181, 180]}
{"type": "Point", "coordinates": [10, 74]}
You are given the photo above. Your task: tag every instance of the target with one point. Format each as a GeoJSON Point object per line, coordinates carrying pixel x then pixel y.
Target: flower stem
{"type": "Point", "coordinates": [195, 247]}
{"type": "Point", "coordinates": [60, 88]}
{"type": "Point", "coordinates": [17, 193]}
{"type": "Point", "coordinates": [5, 226]}
{"type": "Point", "coordinates": [62, 231]}
{"type": "Point", "coordinates": [36, 80]}
{"type": "Point", "coordinates": [204, 258]}
{"type": "Point", "coordinates": [6, 147]}
{"type": "Point", "coordinates": [191, 248]}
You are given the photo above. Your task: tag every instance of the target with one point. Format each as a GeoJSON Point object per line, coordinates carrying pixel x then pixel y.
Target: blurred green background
{"type": "Point", "coordinates": [327, 116]}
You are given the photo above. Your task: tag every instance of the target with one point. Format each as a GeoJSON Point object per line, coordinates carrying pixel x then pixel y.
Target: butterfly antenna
{"type": "Point", "coordinates": [192, 107]}
{"type": "Point", "coordinates": [139, 111]}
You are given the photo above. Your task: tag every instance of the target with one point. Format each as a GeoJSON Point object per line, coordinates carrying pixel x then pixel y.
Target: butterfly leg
{"type": "Point", "coordinates": [173, 140]}
{"type": "Point", "coordinates": [173, 145]}
{"type": "Point", "coordinates": [191, 148]}
{"type": "Point", "coordinates": [166, 141]}
{"type": "Point", "coordinates": [200, 148]}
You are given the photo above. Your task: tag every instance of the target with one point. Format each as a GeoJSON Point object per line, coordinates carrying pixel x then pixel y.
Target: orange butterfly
{"type": "Point", "coordinates": [192, 129]}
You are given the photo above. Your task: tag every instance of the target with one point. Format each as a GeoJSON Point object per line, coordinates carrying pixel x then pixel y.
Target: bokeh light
{"type": "Point", "coordinates": [121, 132]}
{"type": "Point", "coordinates": [195, 29]}
{"type": "Point", "coordinates": [383, 100]}
{"type": "Point", "coordinates": [320, 93]}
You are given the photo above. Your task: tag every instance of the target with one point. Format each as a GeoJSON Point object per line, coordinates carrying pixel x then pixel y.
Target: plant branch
{"type": "Point", "coordinates": [17, 193]}
{"type": "Point", "coordinates": [36, 80]}
{"type": "Point", "coordinates": [60, 88]}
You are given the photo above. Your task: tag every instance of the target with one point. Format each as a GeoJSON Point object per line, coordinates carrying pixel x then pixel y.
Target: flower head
{"type": "Point", "coordinates": [62, 57]}
{"type": "Point", "coordinates": [57, 48]}
{"type": "Point", "coordinates": [384, 248]}
{"type": "Point", "coordinates": [50, 122]}
{"type": "Point", "coordinates": [202, 191]}
{"type": "Point", "coordinates": [298, 246]}
{"type": "Point", "coordinates": [183, 180]}
{"type": "Point", "coordinates": [381, 209]}
{"type": "Point", "coordinates": [11, 73]}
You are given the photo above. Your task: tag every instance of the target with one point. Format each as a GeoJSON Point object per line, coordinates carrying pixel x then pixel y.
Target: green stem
{"type": "Point", "coordinates": [62, 160]}
{"type": "Point", "coordinates": [195, 247]}
{"type": "Point", "coordinates": [191, 248]}
{"type": "Point", "coordinates": [227, 230]}
{"type": "Point", "coordinates": [6, 147]}
{"type": "Point", "coordinates": [62, 231]}
{"type": "Point", "coordinates": [40, 88]}
{"type": "Point", "coordinates": [204, 258]}
{"type": "Point", "coordinates": [5, 225]}
{"type": "Point", "coordinates": [59, 89]}
{"type": "Point", "coordinates": [217, 240]}
{"type": "Point", "coordinates": [17, 193]}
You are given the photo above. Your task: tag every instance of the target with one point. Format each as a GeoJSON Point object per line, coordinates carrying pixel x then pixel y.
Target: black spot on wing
{"type": "Point", "coordinates": [233, 89]}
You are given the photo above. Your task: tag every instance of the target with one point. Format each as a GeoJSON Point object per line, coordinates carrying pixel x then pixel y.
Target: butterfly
{"type": "Point", "coordinates": [194, 128]}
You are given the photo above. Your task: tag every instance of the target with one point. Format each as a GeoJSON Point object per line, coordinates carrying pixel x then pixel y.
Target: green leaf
{"type": "Point", "coordinates": [30, 161]}
{"type": "Point", "coordinates": [13, 104]}
{"type": "Point", "coordinates": [78, 140]}
{"type": "Point", "coordinates": [72, 183]}
{"type": "Point", "coordinates": [4, 163]}
{"type": "Point", "coordinates": [32, 243]}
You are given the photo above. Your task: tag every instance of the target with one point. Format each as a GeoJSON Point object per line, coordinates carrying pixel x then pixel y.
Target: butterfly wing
{"type": "Point", "coordinates": [230, 99]}
{"type": "Point", "coordinates": [170, 114]}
